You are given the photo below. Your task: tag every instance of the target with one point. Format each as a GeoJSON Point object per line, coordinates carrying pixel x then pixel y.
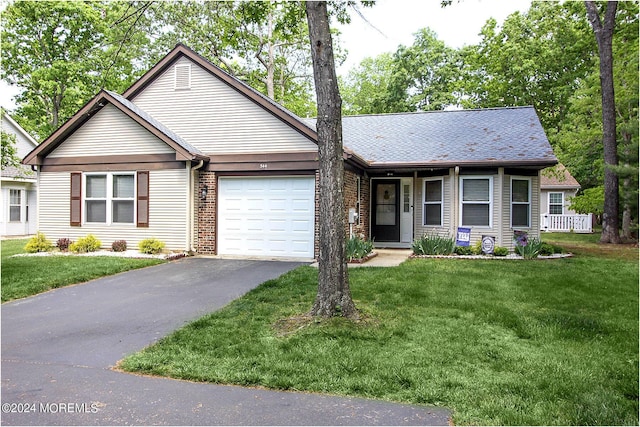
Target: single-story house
{"type": "Point", "coordinates": [194, 157]}
{"type": "Point", "coordinates": [557, 187]}
{"type": "Point", "coordinates": [18, 186]}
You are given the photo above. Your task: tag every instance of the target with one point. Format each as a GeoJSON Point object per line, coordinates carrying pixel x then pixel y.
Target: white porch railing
{"type": "Point", "coordinates": [567, 223]}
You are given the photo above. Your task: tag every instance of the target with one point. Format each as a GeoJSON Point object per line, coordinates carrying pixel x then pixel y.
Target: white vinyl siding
{"type": "Point", "coordinates": [216, 118]}
{"type": "Point", "coordinates": [167, 212]}
{"type": "Point", "coordinates": [110, 132]}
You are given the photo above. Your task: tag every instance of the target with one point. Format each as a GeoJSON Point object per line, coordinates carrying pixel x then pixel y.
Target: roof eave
{"type": "Point", "coordinates": [530, 163]}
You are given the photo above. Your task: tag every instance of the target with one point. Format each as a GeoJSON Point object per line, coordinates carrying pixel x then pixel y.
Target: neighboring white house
{"type": "Point", "coordinates": [557, 187]}
{"type": "Point", "coordinates": [18, 187]}
{"type": "Point", "coordinates": [194, 157]}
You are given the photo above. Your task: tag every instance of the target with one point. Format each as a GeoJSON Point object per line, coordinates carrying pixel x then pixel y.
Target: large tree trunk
{"type": "Point", "coordinates": [334, 296]}
{"type": "Point", "coordinates": [604, 36]}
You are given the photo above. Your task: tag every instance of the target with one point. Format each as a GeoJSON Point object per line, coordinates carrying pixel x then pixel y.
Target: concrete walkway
{"type": "Point", "coordinates": [59, 349]}
{"type": "Point", "coordinates": [384, 258]}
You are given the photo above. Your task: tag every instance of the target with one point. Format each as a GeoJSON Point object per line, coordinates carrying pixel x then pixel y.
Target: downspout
{"type": "Point", "coordinates": [191, 203]}
{"type": "Point", "coordinates": [456, 202]}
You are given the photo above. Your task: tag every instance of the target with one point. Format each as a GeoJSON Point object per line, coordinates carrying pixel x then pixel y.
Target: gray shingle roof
{"type": "Point", "coordinates": [484, 136]}
{"type": "Point", "coordinates": [155, 123]}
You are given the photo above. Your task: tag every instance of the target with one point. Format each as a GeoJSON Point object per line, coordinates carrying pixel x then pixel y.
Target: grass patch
{"type": "Point", "coordinates": [26, 276]}
{"type": "Point", "coordinates": [588, 244]}
{"type": "Point", "coordinates": [518, 343]}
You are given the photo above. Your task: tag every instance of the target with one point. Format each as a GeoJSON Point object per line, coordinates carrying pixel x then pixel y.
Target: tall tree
{"type": "Point", "coordinates": [334, 296]}
{"type": "Point", "coordinates": [423, 75]}
{"type": "Point", "coordinates": [364, 89]}
{"type": "Point", "coordinates": [603, 29]}
{"type": "Point", "coordinates": [61, 53]}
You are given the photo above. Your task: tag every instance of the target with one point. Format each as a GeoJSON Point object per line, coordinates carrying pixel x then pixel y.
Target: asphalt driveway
{"type": "Point", "coordinates": [58, 349]}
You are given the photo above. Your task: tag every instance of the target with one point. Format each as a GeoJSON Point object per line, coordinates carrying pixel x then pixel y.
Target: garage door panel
{"type": "Point", "coordinates": [271, 217]}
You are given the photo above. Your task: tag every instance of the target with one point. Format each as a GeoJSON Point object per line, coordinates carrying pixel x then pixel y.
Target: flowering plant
{"type": "Point", "coordinates": [525, 247]}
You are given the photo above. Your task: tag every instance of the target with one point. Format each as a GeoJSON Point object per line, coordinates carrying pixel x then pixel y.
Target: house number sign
{"type": "Point", "coordinates": [264, 165]}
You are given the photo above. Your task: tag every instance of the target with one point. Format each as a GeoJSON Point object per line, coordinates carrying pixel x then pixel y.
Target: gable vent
{"type": "Point", "coordinates": [182, 76]}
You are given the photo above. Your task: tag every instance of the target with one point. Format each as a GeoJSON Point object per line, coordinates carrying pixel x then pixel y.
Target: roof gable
{"type": "Point", "coordinates": [558, 177]}
{"type": "Point", "coordinates": [184, 151]}
{"type": "Point", "coordinates": [240, 87]}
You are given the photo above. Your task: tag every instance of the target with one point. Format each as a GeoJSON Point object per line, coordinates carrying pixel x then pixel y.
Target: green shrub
{"type": "Point", "coordinates": [89, 243]}
{"type": "Point", "coordinates": [358, 248]}
{"type": "Point", "coordinates": [547, 249]}
{"type": "Point", "coordinates": [476, 249]}
{"type": "Point", "coordinates": [38, 243]}
{"type": "Point", "coordinates": [119, 246]}
{"type": "Point", "coordinates": [151, 246]}
{"type": "Point", "coordinates": [463, 250]}
{"type": "Point", "coordinates": [433, 244]}
{"type": "Point", "coordinates": [500, 251]}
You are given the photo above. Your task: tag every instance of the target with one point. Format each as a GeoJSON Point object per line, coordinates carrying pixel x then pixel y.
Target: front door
{"type": "Point", "coordinates": [386, 210]}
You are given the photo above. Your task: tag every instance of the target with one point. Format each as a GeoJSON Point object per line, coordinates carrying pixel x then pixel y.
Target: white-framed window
{"type": "Point", "coordinates": [432, 203]}
{"type": "Point", "coordinates": [109, 198]}
{"type": "Point", "coordinates": [15, 205]}
{"type": "Point", "coordinates": [556, 204]}
{"type": "Point", "coordinates": [476, 201]}
{"type": "Point", "coordinates": [520, 202]}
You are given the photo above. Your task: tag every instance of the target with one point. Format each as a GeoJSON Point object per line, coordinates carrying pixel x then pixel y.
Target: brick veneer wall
{"type": "Point", "coordinates": [361, 225]}
{"type": "Point", "coordinates": [206, 216]}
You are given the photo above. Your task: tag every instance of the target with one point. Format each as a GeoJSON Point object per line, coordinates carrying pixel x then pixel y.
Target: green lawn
{"type": "Point", "coordinates": [26, 276]}
{"type": "Point", "coordinates": [498, 342]}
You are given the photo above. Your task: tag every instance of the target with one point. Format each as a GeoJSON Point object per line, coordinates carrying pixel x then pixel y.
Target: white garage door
{"type": "Point", "coordinates": [266, 217]}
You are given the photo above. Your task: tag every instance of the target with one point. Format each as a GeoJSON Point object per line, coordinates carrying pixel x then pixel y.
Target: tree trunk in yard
{"type": "Point", "coordinates": [334, 295]}
{"type": "Point", "coordinates": [603, 31]}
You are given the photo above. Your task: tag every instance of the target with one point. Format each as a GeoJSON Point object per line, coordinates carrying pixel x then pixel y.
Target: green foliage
{"type": "Point", "coordinates": [38, 243]}
{"type": "Point", "coordinates": [151, 246]}
{"type": "Point", "coordinates": [433, 244]}
{"type": "Point", "coordinates": [86, 244]}
{"type": "Point", "coordinates": [590, 201]}
{"type": "Point", "coordinates": [358, 248]}
{"type": "Point", "coordinates": [500, 251]}
{"type": "Point", "coordinates": [547, 249]}
{"type": "Point", "coordinates": [529, 250]}
{"type": "Point", "coordinates": [476, 249]}
{"type": "Point", "coordinates": [423, 75]}
{"type": "Point", "coordinates": [119, 246]}
{"type": "Point", "coordinates": [62, 53]}
{"type": "Point", "coordinates": [9, 152]}
{"type": "Point", "coordinates": [364, 89]}
{"type": "Point", "coordinates": [463, 250]}
{"type": "Point", "coordinates": [63, 244]}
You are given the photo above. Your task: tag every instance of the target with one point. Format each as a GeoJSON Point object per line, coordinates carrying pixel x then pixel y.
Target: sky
{"type": "Point", "coordinates": [393, 22]}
